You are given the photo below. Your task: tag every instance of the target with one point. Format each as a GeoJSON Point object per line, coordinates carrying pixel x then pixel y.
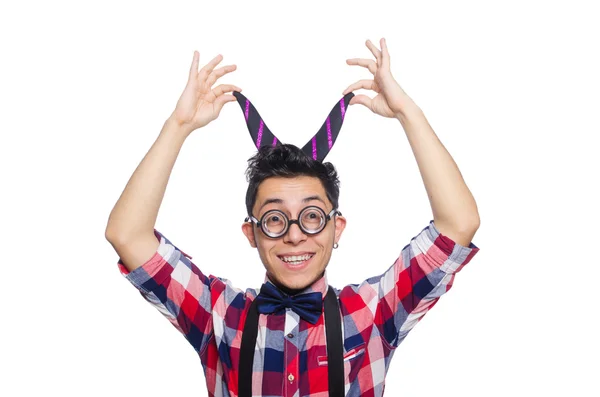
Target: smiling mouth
{"type": "Point", "coordinates": [296, 260]}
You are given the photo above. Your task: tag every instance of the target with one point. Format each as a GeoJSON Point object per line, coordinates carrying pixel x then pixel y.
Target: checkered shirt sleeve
{"type": "Point", "coordinates": [171, 283]}
{"type": "Point", "coordinates": [399, 298]}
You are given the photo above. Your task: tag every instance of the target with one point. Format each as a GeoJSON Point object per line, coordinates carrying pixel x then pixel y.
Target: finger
{"type": "Point", "coordinates": [218, 73]}
{"type": "Point", "coordinates": [208, 68]}
{"type": "Point", "coordinates": [366, 84]}
{"type": "Point", "coordinates": [361, 99]}
{"type": "Point", "coordinates": [385, 55]}
{"type": "Point", "coordinates": [194, 67]}
{"type": "Point", "coordinates": [223, 88]}
{"type": "Point", "coordinates": [367, 63]}
{"type": "Point", "coordinates": [375, 51]}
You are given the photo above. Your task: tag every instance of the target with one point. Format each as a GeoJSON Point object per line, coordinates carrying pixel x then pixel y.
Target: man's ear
{"type": "Point", "coordinates": [248, 230]}
{"type": "Point", "coordinates": [340, 224]}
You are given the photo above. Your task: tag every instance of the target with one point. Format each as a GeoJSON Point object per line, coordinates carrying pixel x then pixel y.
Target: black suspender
{"type": "Point", "coordinates": [335, 356]}
{"type": "Point", "coordinates": [247, 351]}
{"type": "Point", "coordinates": [333, 332]}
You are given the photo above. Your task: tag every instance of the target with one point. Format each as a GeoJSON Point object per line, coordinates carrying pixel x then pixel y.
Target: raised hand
{"type": "Point", "coordinates": [199, 103]}
{"type": "Point", "coordinates": [391, 99]}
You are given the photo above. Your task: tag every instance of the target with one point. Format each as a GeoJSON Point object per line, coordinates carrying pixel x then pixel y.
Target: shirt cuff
{"type": "Point", "coordinates": [450, 256]}
{"type": "Point", "coordinates": [154, 271]}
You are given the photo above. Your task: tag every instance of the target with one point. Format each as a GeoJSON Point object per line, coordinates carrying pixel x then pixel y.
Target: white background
{"type": "Point", "coordinates": [511, 89]}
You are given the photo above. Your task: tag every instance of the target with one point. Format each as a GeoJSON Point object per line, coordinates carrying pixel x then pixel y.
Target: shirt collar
{"type": "Point", "coordinates": [319, 285]}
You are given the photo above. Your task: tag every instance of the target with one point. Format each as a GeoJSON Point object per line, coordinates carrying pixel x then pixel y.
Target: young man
{"type": "Point", "coordinates": [291, 348]}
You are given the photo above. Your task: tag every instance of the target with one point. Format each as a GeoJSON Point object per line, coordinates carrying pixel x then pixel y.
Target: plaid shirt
{"type": "Point", "coordinates": [291, 356]}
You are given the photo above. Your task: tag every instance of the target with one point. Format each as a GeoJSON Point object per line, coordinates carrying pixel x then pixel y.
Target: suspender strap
{"type": "Point", "coordinates": [335, 358]}
{"type": "Point", "coordinates": [247, 351]}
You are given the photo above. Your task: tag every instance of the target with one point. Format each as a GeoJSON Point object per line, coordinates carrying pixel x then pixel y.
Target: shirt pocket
{"type": "Point", "coordinates": [349, 357]}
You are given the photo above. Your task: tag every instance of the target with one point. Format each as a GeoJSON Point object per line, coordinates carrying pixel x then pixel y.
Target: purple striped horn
{"type": "Point", "coordinates": [320, 144]}
{"type": "Point", "coordinates": [260, 133]}
{"type": "Point", "coordinates": [316, 148]}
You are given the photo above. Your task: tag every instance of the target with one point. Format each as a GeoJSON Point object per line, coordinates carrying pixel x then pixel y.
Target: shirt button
{"type": "Point", "coordinates": [291, 377]}
{"type": "Point", "coordinates": [290, 335]}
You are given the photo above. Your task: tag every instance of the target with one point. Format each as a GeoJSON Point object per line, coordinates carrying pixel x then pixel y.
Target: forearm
{"type": "Point", "coordinates": [451, 201]}
{"type": "Point", "coordinates": [137, 209]}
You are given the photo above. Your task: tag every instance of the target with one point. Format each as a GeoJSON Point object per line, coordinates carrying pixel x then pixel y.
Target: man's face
{"type": "Point", "coordinates": [292, 195]}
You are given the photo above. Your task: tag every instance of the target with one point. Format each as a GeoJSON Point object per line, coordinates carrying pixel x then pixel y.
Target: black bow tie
{"type": "Point", "coordinates": [308, 306]}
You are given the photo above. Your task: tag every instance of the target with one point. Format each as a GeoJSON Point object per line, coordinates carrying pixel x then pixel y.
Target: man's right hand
{"type": "Point", "coordinates": [200, 103]}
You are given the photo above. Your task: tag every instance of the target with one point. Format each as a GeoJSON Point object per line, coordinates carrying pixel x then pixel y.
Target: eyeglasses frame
{"type": "Point", "coordinates": [290, 222]}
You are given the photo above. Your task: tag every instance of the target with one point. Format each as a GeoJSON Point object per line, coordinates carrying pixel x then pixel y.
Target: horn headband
{"type": "Point", "coordinates": [317, 147]}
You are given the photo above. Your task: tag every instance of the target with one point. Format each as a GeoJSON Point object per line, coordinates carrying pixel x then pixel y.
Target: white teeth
{"type": "Point", "coordinates": [295, 260]}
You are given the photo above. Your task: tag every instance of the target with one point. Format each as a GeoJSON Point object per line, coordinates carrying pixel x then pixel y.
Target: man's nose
{"type": "Point", "coordinates": [295, 234]}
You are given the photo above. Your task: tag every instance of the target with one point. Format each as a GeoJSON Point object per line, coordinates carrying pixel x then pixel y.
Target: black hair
{"type": "Point", "coordinates": [286, 160]}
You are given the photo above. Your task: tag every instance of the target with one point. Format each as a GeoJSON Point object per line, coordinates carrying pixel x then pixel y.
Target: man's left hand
{"type": "Point", "coordinates": [391, 100]}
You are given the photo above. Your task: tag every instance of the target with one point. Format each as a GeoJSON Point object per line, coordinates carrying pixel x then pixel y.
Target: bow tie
{"type": "Point", "coordinates": [308, 306]}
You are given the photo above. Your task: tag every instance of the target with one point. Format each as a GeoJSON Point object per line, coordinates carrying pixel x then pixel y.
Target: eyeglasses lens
{"type": "Point", "coordinates": [312, 220]}
{"type": "Point", "coordinates": [275, 223]}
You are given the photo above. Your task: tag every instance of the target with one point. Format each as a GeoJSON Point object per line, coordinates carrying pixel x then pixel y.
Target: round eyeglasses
{"type": "Point", "coordinates": [275, 223]}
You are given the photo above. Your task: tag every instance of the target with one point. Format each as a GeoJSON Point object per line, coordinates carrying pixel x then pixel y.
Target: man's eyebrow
{"type": "Point", "coordinates": [280, 201]}
{"type": "Point", "coordinates": [311, 198]}
{"type": "Point", "coordinates": [269, 201]}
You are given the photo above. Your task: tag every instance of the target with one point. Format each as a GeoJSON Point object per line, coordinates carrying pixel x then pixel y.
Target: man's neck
{"type": "Point", "coordinates": [290, 291]}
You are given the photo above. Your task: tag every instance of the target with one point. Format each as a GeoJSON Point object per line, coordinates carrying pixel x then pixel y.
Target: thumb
{"type": "Point", "coordinates": [361, 99]}
{"type": "Point", "coordinates": [222, 100]}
